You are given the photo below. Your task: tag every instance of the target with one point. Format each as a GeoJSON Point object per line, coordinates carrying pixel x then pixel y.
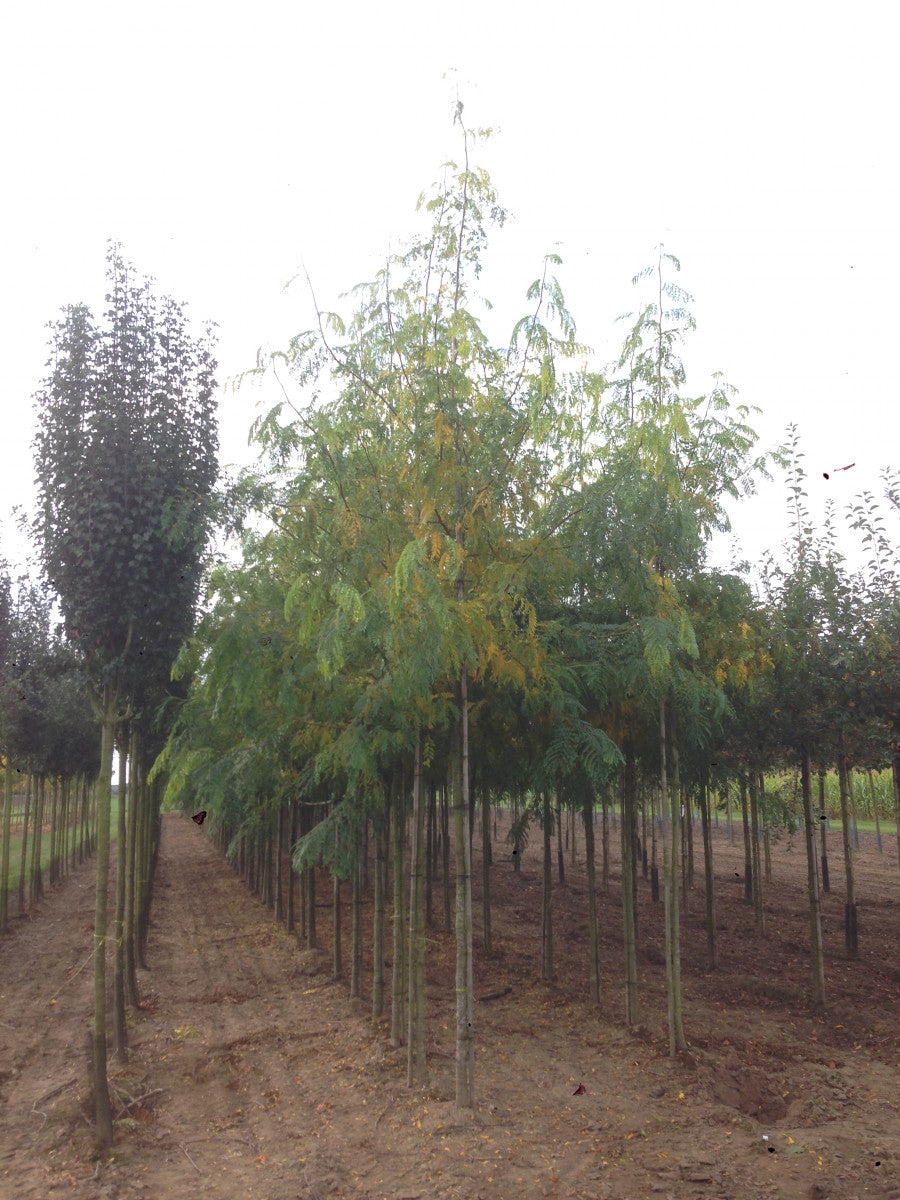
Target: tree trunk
{"type": "Point", "coordinates": [398, 968]}
{"type": "Point", "coordinates": [356, 913]}
{"type": "Point", "coordinates": [465, 1008]}
{"type": "Point", "coordinates": [36, 889]}
{"type": "Point", "coordinates": [7, 828]}
{"type": "Point", "coordinates": [812, 883]}
{"type": "Point", "coordinates": [628, 786]}
{"type": "Point", "coordinates": [851, 932]}
{"type": "Point", "coordinates": [445, 856]}
{"type": "Point", "coordinates": [711, 946]}
{"type": "Point", "coordinates": [131, 987]}
{"type": "Point", "coordinates": [416, 1067]}
{"type": "Point", "coordinates": [604, 838]}
{"type": "Point", "coordinates": [430, 857]}
{"type": "Point", "coordinates": [670, 803]}
{"type": "Point", "coordinates": [560, 857]}
{"type": "Point", "coordinates": [895, 775]}
{"type": "Point", "coordinates": [547, 892]}
{"type": "Point", "coordinates": [486, 868]}
{"type": "Point", "coordinates": [823, 826]}
{"type": "Point", "coordinates": [654, 859]}
{"type": "Point", "coordinates": [748, 849]}
{"type": "Point", "coordinates": [309, 879]}
{"type": "Point", "coordinates": [337, 959]}
{"type": "Point", "coordinates": [758, 909]}
{"type": "Point", "coordinates": [100, 1085]}
{"type": "Point", "coordinates": [593, 940]}
{"type": "Point", "coordinates": [875, 810]}
{"type": "Point", "coordinates": [120, 1034]}
{"type": "Point", "coordinates": [279, 863]}
{"type": "Point", "coordinates": [292, 874]}
{"type": "Point", "coordinates": [378, 919]}
{"type": "Point", "coordinates": [764, 814]}
{"type": "Point", "coordinates": [728, 809]}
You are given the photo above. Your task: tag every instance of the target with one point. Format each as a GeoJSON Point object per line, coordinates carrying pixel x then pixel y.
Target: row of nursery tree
{"type": "Point", "coordinates": [481, 577]}
{"type": "Point", "coordinates": [467, 575]}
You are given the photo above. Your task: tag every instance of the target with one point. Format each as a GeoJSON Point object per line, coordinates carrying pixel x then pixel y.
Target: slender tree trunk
{"type": "Point", "coordinates": [711, 944]}
{"type": "Point", "coordinates": [654, 859]}
{"type": "Point", "coordinates": [279, 863]}
{"type": "Point", "coordinates": [670, 805]}
{"type": "Point", "coordinates": [748, 849]}
{"type": "Point", "coordinates": [560, 857]}
{"type": "Point", "coordinates": [604, 839]}
{"type": "Point", "coordinates": [416, 1066]}
{"type": "Point", "coordinates": [895, 775]}
{"type": "Point", "coordinates": [674, 915]}
{"type": "Point", "coordinates": [728, 817]}
{"type": "Point", "coordinates": [292, 874]}
{"type": "Point", "coordinates": [465, 1008]}
{"type": "Point", "coordinates": [854, 817]}
{"type": "Point", "coordinates": [120, 1033]}
{"type": "Point", "coordinates": [430, 857]}
{"type": "Point", "coordinates": [378, 919]}
{"type": "Point", "coordinates": [337, 959]}
{"type": "Point", "coordinates": [593, 938]}
{"type": "Point", "coordinates": [823, 826]}
{"type": "Point", "coordinates": [102, 1109]}
{"type": "Point", "coordinates": [309, 876]}
{"type": "Point", "coordinates": [815, 908]}
{"type": "Point", "coordinates": [875, 809]}
{"type": "Point", "coordinates": [36, 889]}
{"type": "Point", "coordinates": [486, 868]}
{"type": "Point", "coordinates": [764, 814]}
{"type": "Point", "coordinates": [445, 856]}
{"type": "Point", "coordinates": [572, 824]}
{"type": "Point", "coordinates": [131, 986]}
{"type": "Point", "coordinates": [626, 794]}
{"type": "Point", "coordinates": [689, 827]}
{"type": "Point", "coordinates": [851, 931]}
{"type": "Point", "coordinates": [547, 892]}
{"type": "Point", "coordinates": [398, 969]}
{"type": "Point", "coordinates": [7, 833]}
{"type": "Point", "coordinates": [54, 818]}
{"type": "Point", "coordinates": [644, 860]}
{"type": "Point", "coordinates": [356, 916]}
{"type": "Point", "coordinates": [758, 909]}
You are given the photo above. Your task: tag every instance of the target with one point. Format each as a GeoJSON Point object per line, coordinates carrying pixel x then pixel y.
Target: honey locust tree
{"type": "Point", "coordinates": [125, 458]}
{"type": "Point", "coordinates": [431, 448]}
{"type": "Point", "coordinates": [664, 463]}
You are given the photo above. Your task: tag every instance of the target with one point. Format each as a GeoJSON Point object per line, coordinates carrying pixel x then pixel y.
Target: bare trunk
{"type": "Point", "coordinates": [593, 946]}
{"type": "Point", "coordinates": [398, 965]}
{"type": "Point", "coordinates": [416, 1066]}
{"type": "Point", "coordinates": [815, 913]}
{"type": "Point", "coordinates": [100, 1085]}
{"type": "Point", "coordinates": [711, 946]}
{"type": "Point", "coordinates": [465, 1009]}
{"type": "Point", "coordinates": [851, 931]}
{"type": "Point", "coordinates": [486, 868]}
{"type": "Point", "coordinates": [120, 1033]}
{"type": "Point", "coordinates": [629, 783]}
{"type": "Point", "coordinates": [547, 893]}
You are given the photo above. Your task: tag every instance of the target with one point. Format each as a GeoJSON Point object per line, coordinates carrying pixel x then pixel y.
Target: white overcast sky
{"type": "Point", "coordinates": [222, 144]}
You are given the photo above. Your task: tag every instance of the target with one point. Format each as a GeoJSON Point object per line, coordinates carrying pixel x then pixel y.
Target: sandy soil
{"type": "Point", "coordinates": [267, 1083]}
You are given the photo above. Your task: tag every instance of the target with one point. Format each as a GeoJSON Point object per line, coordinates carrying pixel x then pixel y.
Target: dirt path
{"type": "Point", "coordinates": [270, 1084]}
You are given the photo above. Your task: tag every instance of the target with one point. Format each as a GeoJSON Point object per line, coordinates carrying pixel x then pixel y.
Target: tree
{"type": "Point", "coordinates": [125, 457]}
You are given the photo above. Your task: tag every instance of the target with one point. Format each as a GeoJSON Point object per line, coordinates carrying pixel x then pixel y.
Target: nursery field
{"type": "Point", "coordinates": [253, 1074]}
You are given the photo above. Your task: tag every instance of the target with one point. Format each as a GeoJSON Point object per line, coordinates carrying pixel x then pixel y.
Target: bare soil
{"type": "Point", "coordinates": [253, 1075]}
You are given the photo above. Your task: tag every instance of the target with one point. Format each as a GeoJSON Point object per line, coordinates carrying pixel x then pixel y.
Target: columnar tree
{"type": "Point", "coordinates": [125, 457]}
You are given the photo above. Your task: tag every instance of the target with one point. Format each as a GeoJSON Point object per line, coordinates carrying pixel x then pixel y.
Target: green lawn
{"type": "Point", "coordinates": [15, 850]}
